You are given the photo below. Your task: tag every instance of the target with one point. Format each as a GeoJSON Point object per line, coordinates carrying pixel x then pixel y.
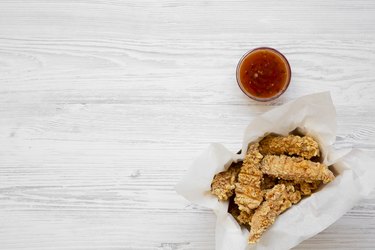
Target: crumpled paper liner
{"type": "Point", "coordinates": [314, 115]}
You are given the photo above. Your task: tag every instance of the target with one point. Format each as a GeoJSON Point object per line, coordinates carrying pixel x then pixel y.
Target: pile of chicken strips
{"type": "Point", "coordinates": [276, 173]}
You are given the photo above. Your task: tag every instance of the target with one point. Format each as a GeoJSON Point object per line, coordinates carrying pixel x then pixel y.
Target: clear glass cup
{"type": "Point", "coordinates": [285, 85]}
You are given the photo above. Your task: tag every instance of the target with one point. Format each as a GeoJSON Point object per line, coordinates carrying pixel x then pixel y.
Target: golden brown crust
{"type": "Point", "coordinates": [308, 188]}
{"type": "Point", "coordinates": [295, 169]}
{"type": "Point", "coordinates": [268, 182]}
{"type": "Point", "coordinates": [305, 188]}
{"type": "Point", "coordinates": [223, 184]}
{"type": "Point", "coordinates": [304, 146]}
{"type": "Point", "coordinates": [277, 200]}
{"type": "Point", "coordinates": [244, 218]}
{"type": "Point", "coordinates": [248, 197]}
{"type": "Point", "coordinates": [248, 192]}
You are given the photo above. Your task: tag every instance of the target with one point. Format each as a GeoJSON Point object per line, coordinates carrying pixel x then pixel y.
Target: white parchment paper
{"type": "Point", "coordinates": [314, 115]}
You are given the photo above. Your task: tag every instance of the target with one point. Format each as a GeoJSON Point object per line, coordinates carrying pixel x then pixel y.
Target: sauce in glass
{"type": "Point", "coordinates": [263, 74]}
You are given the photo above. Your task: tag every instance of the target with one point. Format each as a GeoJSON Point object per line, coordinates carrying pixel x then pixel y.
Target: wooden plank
{"type": "Point", "coordinates": [104, 104]}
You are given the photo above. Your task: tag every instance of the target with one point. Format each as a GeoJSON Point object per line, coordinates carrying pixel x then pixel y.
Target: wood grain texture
{"type": "Point", "coordinates": [103, 105]}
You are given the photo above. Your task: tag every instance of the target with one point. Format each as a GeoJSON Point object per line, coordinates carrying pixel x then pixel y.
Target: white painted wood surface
{"type": "Point", "coordinates": [103, 105]}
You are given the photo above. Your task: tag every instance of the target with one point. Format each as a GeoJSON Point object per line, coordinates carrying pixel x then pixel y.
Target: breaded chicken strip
{"type": "Point", "coordinates": [304, 146]}
{"type": "Point", "coordinates": [277, 200]}
{"type": "Point", "coordinates": [305, 188]}
{"type": "Point", "coordinates": [223, 183]}
{"type": "Point", "coordinates": [296, 169]}
{"type": "Point", "coordinates": [248, 192]}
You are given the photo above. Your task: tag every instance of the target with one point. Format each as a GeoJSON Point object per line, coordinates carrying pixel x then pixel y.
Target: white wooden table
{"type": "Point", "coordinates": [103, 105]}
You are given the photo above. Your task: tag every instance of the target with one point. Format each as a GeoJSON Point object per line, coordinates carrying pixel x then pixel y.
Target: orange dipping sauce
{"type": "Point", "coordinates": [263, 74]}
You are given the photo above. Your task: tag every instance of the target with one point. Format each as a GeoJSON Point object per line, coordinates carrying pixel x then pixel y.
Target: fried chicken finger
{"type": "Point", "coordinates": [295, 169]}
{"type": "Point", "coordinates": [248, 191]}
{"type": "Point", "coordinates": [304, 146]}
{"type": "Point", "coordinates": [277, 200]}
{"type": "Point", "coordinates": [223, 183]}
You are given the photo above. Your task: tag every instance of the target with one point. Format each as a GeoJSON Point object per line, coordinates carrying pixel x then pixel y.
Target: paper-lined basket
{"type": "Point", "coordinates": [313, 115]}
